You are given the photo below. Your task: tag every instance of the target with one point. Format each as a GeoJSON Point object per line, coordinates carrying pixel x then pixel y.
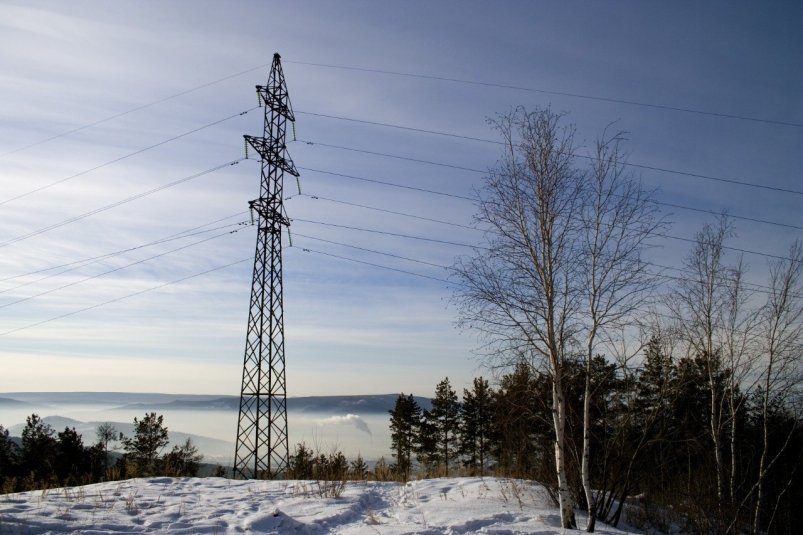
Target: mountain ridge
{"type": "Point", "coordinates": [370, 403]}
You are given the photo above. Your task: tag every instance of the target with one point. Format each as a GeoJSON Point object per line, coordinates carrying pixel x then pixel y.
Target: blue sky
{"type": "Point", "coordinates": [350, 327]}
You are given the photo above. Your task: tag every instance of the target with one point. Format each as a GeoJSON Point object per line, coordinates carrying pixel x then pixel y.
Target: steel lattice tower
{"type": "Point", "coordinates": [262, 445]}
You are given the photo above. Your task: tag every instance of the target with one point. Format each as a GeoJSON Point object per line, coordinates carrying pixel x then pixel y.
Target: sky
{"type": "Point", "coordinates": [120, 126]}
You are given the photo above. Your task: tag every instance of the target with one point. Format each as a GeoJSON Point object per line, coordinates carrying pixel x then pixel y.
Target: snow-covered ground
{"type": "Point", "coordinates": [216, 505]}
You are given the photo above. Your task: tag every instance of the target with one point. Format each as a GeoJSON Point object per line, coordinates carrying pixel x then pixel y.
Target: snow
{"type": "Point", "coordinates": [218, 505]}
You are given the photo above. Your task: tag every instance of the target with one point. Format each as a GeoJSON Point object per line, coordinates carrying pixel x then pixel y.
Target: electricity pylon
{"type": "Point", "coordinates": [262, 445]}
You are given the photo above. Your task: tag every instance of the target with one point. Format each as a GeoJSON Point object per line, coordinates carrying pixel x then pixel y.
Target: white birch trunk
{"type": "Point", "coordinates": [585, 468]}
{"type": "Point", "coordinates": [565, 500]}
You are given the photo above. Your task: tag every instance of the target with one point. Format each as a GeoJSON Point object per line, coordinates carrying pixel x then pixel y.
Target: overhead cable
{"type": "Point", "coordinates": [386, 183]}
{"type": "Point", "coordinates": [134, 294]}
{"type": "Point", "coordinates": [558, 93]}
{"type": "Point", "coordinates": [117, 203]}
{"type": "Point", "coordinates": [660, 235]}
{"type": "Point", "coordinates": [453, 283]}
{"type": "Point", "coordinates": [308, 250]}
{"type": "Point", "coordinates": [125, 156]}
{"type": "Point", "coordinates": [383, 210]}
{"type": "Point", "coordinates": [358, 248]}
{"type": "Point", "coordinates": [395, 234]}
{"type": "Point", "coordinates": [132, 110]}
{"type": "Point", "coordinates": [120, 268]}
{"type": "Point", "coordinates": [689, 174]}
{"type": "Point", "coordinates": [78, 264]}
{"type": "Point", "coordinates": [86, 261]}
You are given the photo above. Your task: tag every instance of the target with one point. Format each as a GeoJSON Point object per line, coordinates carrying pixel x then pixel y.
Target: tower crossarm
{"type": "Point", "coordinates": [269, 211]}
{"type": "Point", "coordinates": [273, 152]}
{"type": "Point", "coordinates": [276, 101]}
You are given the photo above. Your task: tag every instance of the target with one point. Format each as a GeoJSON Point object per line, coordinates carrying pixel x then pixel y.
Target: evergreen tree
{"type": "Point", "coordinates": [182, 461]}
{"type": "Point", "coordinates": [71, 459]}
{"type": "Point", "coordinates": [522, 432]}
{"type": "Point", "coordinates": [301, 462]}
{"type": "Point", "coordinates": [150, 437]}
{"type": "Point", "coordinates": [477, 420]}
{"type": "Point", "coordinates": [9, 457]}
{"type": "Point", "coordinates": [653, 422]}
{"type": "Point", "coordinates": [445, 420]}
{"type": "Point", "coordinates": [404, 423]}
{"type": "Point", "coordinates": [358, 469]}
{"type": "Point", "coordinates": [426, 447]}
{"type": "Point", "coordinates": [38, 449]}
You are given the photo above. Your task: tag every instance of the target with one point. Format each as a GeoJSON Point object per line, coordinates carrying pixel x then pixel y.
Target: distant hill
{"type": "Point", "coordinates": [8, 402]}
{"type": "Point", "coordinates": [102, 398]}
{"type": "Point", "coordinates": [370, 404]}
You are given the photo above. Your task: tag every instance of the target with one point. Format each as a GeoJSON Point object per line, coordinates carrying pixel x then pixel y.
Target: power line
{"type": "Point", "coordinates": [72, 266]}
{"type": "Point", "coordinates": [748, 251]}
{"type": "Point", "coordinates": [264, 65]}
{"type": "Point", "coordinates": [358, 248]}
{"type": "Point", "coordinates": [701, 176]}
{"type": "Point", "coordinates": [714, 178]}
{"type": "Point", "coordinates": [751, 286]}
{"type": "Point", "coordinates": [671, 205]}
{"type": "Point", "coordinates": [87, 261]}
{"type": "Point", "coordinates": [399, 127]}
{"type": "Point", "coordinates": [134, 294]}
{"type": "Point", "coordinates": [129, 155]}
{"type": "Point", "coordinates": [736, 249]}
{"type": "Point", "coordinates": [690, 240]}
{"type": "Point", "coordinates": [386, 183]}
{"type": "Point", "coordinates": [131, 110]}
{"type": "Point", "coordinates": [743, 218]}
{"type": "Point", "coordinates": [117, 203]}
{"type": "Point", "coordinates": [757, 288]}
{"type": "Point", "coordinates": [665, 316]}
{"type": "Point", "coordinates": [752, 219]}
{"type": "Point", "coordinates": [383, 210]}
{"type": "Point", "coordinates": [120, 268]}
{"type": "Point", "coordinates": [397, 235]}
{"type": "Point", "coordinates": [557, 93]}
{"type": "Point", "coordinates": [307, 250]}
{"type": "Point", "coordinates": [394, 156]}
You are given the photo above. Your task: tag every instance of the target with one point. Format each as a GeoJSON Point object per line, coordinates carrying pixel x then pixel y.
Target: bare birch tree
{"type": "Point", "coordinates": [699, 303]}
{"type": "Point", "coordinates": [522, 292]}
{"type": "Point", "coordinates": [740, 355]}
{"type": "Point", "coordinates": [618, 217]}
{"type": "Point", "coordinates": [782, 346]}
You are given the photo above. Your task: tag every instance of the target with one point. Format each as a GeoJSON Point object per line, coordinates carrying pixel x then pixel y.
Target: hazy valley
{"type": "Point", "coordinates": [352, 424]}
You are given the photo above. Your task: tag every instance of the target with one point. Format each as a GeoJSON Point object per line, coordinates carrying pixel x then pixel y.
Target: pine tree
{"type": "Point", "coordinates": [71, 458]}
{"type": "Point", "coordinates": [522, 434]}
{"type": "Point", "coordinates": [426, 446]}
{"type": "Point", "coordinates": [38, 449]}
{"type": "Point", "coordinates": [183, 461]}
{"type": "Point", "coordinates": [477, 420]}
{"type": "Point", "coordinates": [445, 419]}
{"type": "Point", "coordinates": [301, 462]}
{"type": "Point", "coordinates": [358, 469]}
{"type": "Point", "coordinates": [9, 457]}
{"type": "Point", "coordinates": [150, 437]}
{"type": "Point", "coordinates": [404, 425]}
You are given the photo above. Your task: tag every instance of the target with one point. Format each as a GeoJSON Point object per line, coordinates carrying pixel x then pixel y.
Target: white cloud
{"type": "Point", "coordinates": [348, 419]}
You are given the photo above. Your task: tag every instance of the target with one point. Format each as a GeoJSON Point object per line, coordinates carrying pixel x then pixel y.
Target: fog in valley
{"type": "Point", "coordinates": [325, 424]}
